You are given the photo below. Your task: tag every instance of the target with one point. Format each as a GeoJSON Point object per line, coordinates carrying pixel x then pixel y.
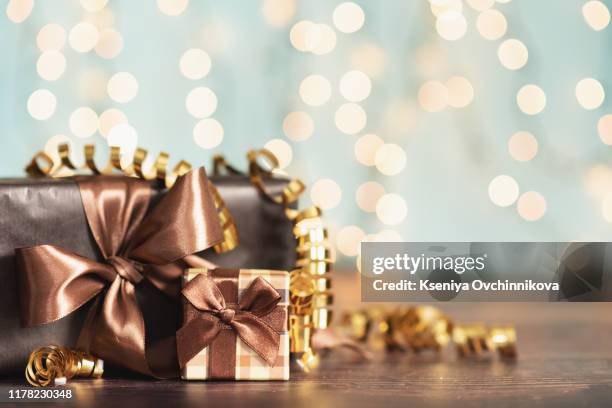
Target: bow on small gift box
{"type": "Point", "coordinates": [136, 243]}
{"type": "Point", "coordinates": [235, 325]}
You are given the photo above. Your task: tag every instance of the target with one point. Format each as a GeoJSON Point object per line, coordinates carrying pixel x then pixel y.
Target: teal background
{"type": "Point", "coordinates": [452, 155]}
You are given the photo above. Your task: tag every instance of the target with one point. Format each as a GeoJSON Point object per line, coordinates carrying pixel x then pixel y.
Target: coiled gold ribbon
{"type": "Point", "coordinates": [421, 328]}
{"type": "Point", "coordinates": [310, 283]}
{"type": "Point", "coordinates": [476, 339]}
{"type": "Point", "coordinates": [42, 165]}
{"type": "Point", "coordinates": [54, 365]}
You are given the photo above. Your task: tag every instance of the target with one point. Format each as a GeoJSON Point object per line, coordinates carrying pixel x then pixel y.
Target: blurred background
{"type": "Point", "coordinates": [439, 120]}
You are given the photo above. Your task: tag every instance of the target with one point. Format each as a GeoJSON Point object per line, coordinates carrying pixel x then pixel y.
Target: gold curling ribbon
{"type": "Point", "coordinates": [54, 365]}
{"type": "Point", "coordinates": [42, 165]}
{"type": "Point", "coordinates": [421, 328]}
{"type": "Point", "coordinates": [476, 339]}
{"type": "Point", "coordinates": [310, 283]}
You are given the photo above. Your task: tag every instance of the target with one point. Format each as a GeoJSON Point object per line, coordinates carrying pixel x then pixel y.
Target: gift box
{"type": "Point", "coordinates": [235, 325]}
{"type": "Point", "coordinates": [50, 211]}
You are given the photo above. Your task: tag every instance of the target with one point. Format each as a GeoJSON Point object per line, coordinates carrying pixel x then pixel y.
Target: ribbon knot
{"type": "Point", "coordinates": [204, 297]}
{"type": "Point", "coordinates": [127, 269]}
{"type": "Point", "coordinates": [226, 315]}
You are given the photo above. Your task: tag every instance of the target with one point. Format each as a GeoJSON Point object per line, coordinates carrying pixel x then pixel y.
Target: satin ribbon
{"type": "Point", "coordinates": [42, 165]}
{"type": "Point", "coordinates": [136, 243]}
{"type": "Point", "coordinates": [213, 314]}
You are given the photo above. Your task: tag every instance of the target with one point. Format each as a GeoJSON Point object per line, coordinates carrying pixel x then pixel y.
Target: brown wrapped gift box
{"type": "Point", "coordinates": [49, 211]}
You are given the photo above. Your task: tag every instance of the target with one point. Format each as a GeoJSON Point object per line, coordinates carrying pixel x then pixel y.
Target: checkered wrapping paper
{"type": "Point", "coordinates": [249, 366]}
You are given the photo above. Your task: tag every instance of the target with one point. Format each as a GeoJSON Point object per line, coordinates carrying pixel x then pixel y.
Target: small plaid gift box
{"type": "Point", "coordinates": [235, 325]}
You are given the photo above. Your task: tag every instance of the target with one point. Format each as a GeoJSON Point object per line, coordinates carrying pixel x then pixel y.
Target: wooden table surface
{"type": "Point", "coordinates": [565, 360]}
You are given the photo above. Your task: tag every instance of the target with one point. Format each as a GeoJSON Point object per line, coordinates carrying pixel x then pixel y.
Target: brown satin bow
{"type": "Point", "coordinates": [257, 300]}
{"type": "Point", "coordinates": [136, 244]}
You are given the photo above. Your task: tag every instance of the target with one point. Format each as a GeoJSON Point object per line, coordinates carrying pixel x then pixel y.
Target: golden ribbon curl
{"type": "Point", "coordinates": [54, 365]}
{"type": "Point", "coordinates": [310, 283]}
{"type": "Point", "coordinates": [422, 328]}
{"type": "Point", "coordinates": [42, 165]}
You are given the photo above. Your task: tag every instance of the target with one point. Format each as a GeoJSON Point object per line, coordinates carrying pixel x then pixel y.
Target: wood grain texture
{"type": "Point", "coordinates": [565, 360]}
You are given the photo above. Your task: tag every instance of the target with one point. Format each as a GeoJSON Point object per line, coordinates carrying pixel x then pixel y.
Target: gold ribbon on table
{"type": "Point", "coordinates": [42, 165]}
{"type": "Point", "coordinates": [136, 244]}
{"type": "Point", "coordinates": [208, 313]}
{"type": "Point", "coordinates": [310, 283]}
{"type": "Point", "coordinates": [424, 327]}
{"type": "Point", "coordinates": [55, 365]}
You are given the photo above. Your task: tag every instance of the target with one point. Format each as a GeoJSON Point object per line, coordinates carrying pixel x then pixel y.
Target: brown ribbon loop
{"type": "Point", "coordinates": [135, 245]}
{"type": "Point", "coordinates": [258, 299]}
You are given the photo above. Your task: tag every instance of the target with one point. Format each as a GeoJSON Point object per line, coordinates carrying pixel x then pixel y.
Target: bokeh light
{"type": "Point", "coordinates": [93, 5]}
{"type": "Point", "coordinates": [110, 43]}
{"type": "Point", "coordinates": [531, 206]}
{"type": "Point", "coordinates": [298, 35]}
{"type": "Point", "coordinates": [604, 129]}
{"type": "Point", "coordinates": [201, 102]}
{"type": "Point", "coordinates": [83, 37]}
{"type": "Point", "coordinates": [18, 10]}
{"type": "Point", "coordinates": [109, 119]}
{"type": "Point", "coordinates": [370, 58]}
{"type": "Point", "coordinates": [491, 24]}
{"type": "Point", "coordinates": [282, 150]}
{"type": "Point", "coordinates": [433, 96]}
{"type": "Point", "coordinates": [278, 13]}
{"type": "Point", "coordinates": [102, 19]}
{"type": "Point", "coordinates": [503, 190]}
{"type": "Point", "coordinates": [460, 92]}
{"type": "Point", "coordinates": [315, 90]}
{"type": "Point", "coordinates": [122, 87]}
{"type": "Point", "coordinates": [298, 126]}
{"type": "Point", "coordinates": [325, 193]}
{"type": "Point", "coordinates": [590, 93]}
{"type": "Point", "coordinates": [172, 7]}
{"type": "Point", "coordinates": [439, 7]}
{"type": "Point", "coordinates": [51, 37]}
{"type": "Point", "coordinates": [307, 36]}
{"type": "Point", "coordinates": [124, 136]}
{"type": "Point", "coordinates": [368, 194]}
{"type": "Point", "coordinates": [390, 159]}
{"type": "Point", "coordinates": [596, 14]}
{"type": "Point", "coordinates": [321, 39]}
{"type": "Point", "coordinates": [391, 209]}
{"type": "Point", "coordinates": [350, 118]}
{"type": "Point", "coordinates": [51, 65]}
{"type": "Point", "coordinates": [83, 122]}
{"type": "Point", "coordinates": [481, 5]}
{"type": "Point", "coordinates": [348, 17]}
{"type": "Point", "coordinates": [523, 146]}
{"type": "Point", "coordinates": [512, 54]}
{"type": "Point", "coordinates": [355, 86]}
{"type": "Point", "coordinates": [366, 148]}
{"type": "Point", "coordinates": [42, 104]}
{"type": "Point", "coordinates": [451, 25]}
{"type": "Point", "coordinates": [195, 63]}
{"type": "Point", "coordinates": [348, 240]}
{"type": "Point", "coordinates": [531, 99]}
{"type": "Point", "coordinates": [208, 133]}
{"type": "Point", "coordinates": [598, 180]}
